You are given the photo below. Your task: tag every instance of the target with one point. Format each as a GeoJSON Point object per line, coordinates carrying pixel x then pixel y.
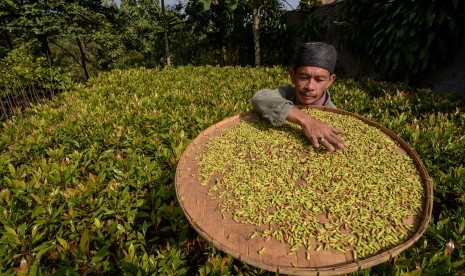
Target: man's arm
{"type": "Point", "coordinates": [317, 131]}
{"type": "Point", "coordinates": [276, 105]}
{"type": "Point", "coordinates": [273, 104]}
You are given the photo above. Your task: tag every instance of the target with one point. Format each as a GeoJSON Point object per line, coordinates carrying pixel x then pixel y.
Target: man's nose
{"type": "Point", "coordinates": [310, 85]}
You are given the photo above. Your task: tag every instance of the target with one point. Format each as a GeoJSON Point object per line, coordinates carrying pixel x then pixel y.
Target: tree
{"type": "Point", "coordinates": [165, 31]}
{"type": "Point", "coordinates": [222, 31]}
{"type": "Point", "coordinates": [406, 39]}
{"type": "Point", "coordinates": [7, 15]}
{"type": "Point", "coordinates": [142, 32]}
{"type": "Point", "coordinates": [55, 27]}
{"type": "Point", "coordinates": [81, 22]}
{"type": "Point", "coordinates": [275, 36]}
{"type": "Point", "coordinates": [257, 8]}
{"type": "Point", "coordinates": [30, 20]}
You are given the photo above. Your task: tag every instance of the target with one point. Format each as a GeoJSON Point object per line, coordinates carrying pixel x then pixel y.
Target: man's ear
{"type": "Point", "coordinates": [332, 77]}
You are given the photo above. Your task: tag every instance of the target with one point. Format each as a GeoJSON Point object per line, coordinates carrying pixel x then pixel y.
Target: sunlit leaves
{"type": "Point", "coordinates": [87, 180]}
{"type": "Point", "coordinates": [89, 176]}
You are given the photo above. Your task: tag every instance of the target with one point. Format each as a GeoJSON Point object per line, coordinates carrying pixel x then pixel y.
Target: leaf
{"type": "Point", "coordinates": [42, 249]}
{"type": "Point", "coordinates": [84, 243]}
{"type": "Point", "coordinates": [132, 251]}
{"type": "Point", "coordinates": [206, 4]}
{"type": "Point", "coordinates": [145, 226]}
{"type": "Point", "coordinates": [118, 172]}
{"type": "Point", "coordinates": [92, 177]}
{"type": "Point", "coordinates": [34, 231]}
{"type": "Point", "coordinates": [63, 242]}
{"type": "Point", "coordinates": [458, 263]}
{"type": "Point", "coordinates": [36, 198]}
{"type": "Point", "coordinates": [462, 225]}
{"type": "Point", "coordinates": [22, 229]}
{"type": "Point", "coordinates": [102, 253]}
{"type": "Point", "coordinates": [20, 184]}
{"type": "Point", "coordinates": [38, 237]}
{"type": "Point", "coordinates": [171, 207]}
{"type": "Point", "coordinates": [12, 169]}
{"type": "Point", "coordinates": [97, 223]}
{"type": "Point", "coordinates": [416, 272]}
{"type": "Point", "coordinates": [34, 270]}
{"type": "Point", "coordinates": [10, 230]}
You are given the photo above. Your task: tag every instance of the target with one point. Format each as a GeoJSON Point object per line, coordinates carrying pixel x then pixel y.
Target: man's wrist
{"type": "Point", "coordinates": [299, 117]}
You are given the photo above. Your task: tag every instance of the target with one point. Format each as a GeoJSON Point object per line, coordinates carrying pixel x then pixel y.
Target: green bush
{"type": "Point", "coordinates": [406, 39]}
{"type": "Point", "coordinates": [21, 73]}
{"type": "Point", "coordinates": [88, 178]}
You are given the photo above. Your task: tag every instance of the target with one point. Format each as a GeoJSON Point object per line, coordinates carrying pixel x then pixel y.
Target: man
{"type": "Point", "coordinates": [313, 74]}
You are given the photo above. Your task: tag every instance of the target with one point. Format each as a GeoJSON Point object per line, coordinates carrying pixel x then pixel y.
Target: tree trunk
{"type": "Point", "coordinates": [44, 45]}
{"type": "Point", "coordinates": [8, 40]}
{"type": "Point", "coordinates": [82, 50]}
{"type": "Point", "coordinates": [165, 29]}
{"type": "Point", "coordinates": [256, 34]}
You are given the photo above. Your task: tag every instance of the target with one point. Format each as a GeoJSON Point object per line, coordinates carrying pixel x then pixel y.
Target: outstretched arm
{"type": "Point", "coordinates": [276, 105]}
{"type": "Point", "coordinates": [317, 131]}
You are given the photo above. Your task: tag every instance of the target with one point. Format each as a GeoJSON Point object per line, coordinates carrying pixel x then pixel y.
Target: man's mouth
{"type": "Point", "coordinates": [308, 96]}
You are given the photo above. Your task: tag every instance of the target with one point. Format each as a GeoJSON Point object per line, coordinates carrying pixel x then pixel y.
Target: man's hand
{"type": "Point", "coordinates": [318, 132]}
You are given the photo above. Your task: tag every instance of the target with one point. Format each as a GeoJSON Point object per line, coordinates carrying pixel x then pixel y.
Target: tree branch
{"type": "Point", "coordinates": [68, 52]}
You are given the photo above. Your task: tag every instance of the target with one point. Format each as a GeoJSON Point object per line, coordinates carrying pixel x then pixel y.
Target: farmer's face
{"type": "Point", "coordinates": [310, 82]}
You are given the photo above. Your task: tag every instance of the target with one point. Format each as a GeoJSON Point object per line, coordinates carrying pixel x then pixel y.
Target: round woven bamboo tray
{"type": "Point", "coordinates": [233, 237]}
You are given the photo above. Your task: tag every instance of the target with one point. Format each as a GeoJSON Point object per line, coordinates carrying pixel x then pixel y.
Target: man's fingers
{"type": "Point", "coordinates": [327, 145]}
{"type": "Point", "coordinates": [337, 131]}
{"type": "Point", "coordinates": [314, 141]}
{"type": "Point", "coordinates": [326, 136]}
{"type": "Point", "coordinates": [338, 141]}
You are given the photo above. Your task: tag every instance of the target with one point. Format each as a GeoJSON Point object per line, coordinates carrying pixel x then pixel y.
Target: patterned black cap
{"type": "Point", "coordinates": [316, 54]}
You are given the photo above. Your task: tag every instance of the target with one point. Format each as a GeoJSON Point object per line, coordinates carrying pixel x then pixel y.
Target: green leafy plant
{"type": "Point", "coordinates": [25, 79]}
{"type": "Point", "coordinates": [87, 179]}
{"type": "Point", "coordinates": [406, 39]}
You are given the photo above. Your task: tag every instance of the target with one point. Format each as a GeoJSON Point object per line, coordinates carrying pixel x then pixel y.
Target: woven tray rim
{"type": "Point", "coordinates": [357, 264]}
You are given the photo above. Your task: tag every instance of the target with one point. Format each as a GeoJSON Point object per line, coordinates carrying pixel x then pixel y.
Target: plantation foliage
{"type": "Point", "coordinates": [406, 39]}
{"type": "Point", "coordinates": [88, 178]}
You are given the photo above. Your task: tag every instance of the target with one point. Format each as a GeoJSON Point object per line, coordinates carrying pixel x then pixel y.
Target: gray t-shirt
{"type": "Point", "coordinates": [276, 104]}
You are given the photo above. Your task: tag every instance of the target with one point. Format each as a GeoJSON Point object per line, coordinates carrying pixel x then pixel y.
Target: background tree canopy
{"type": "Point", "coordinates": [404, 39]}
{"type": "Point", "coordinates": [89, 36]}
